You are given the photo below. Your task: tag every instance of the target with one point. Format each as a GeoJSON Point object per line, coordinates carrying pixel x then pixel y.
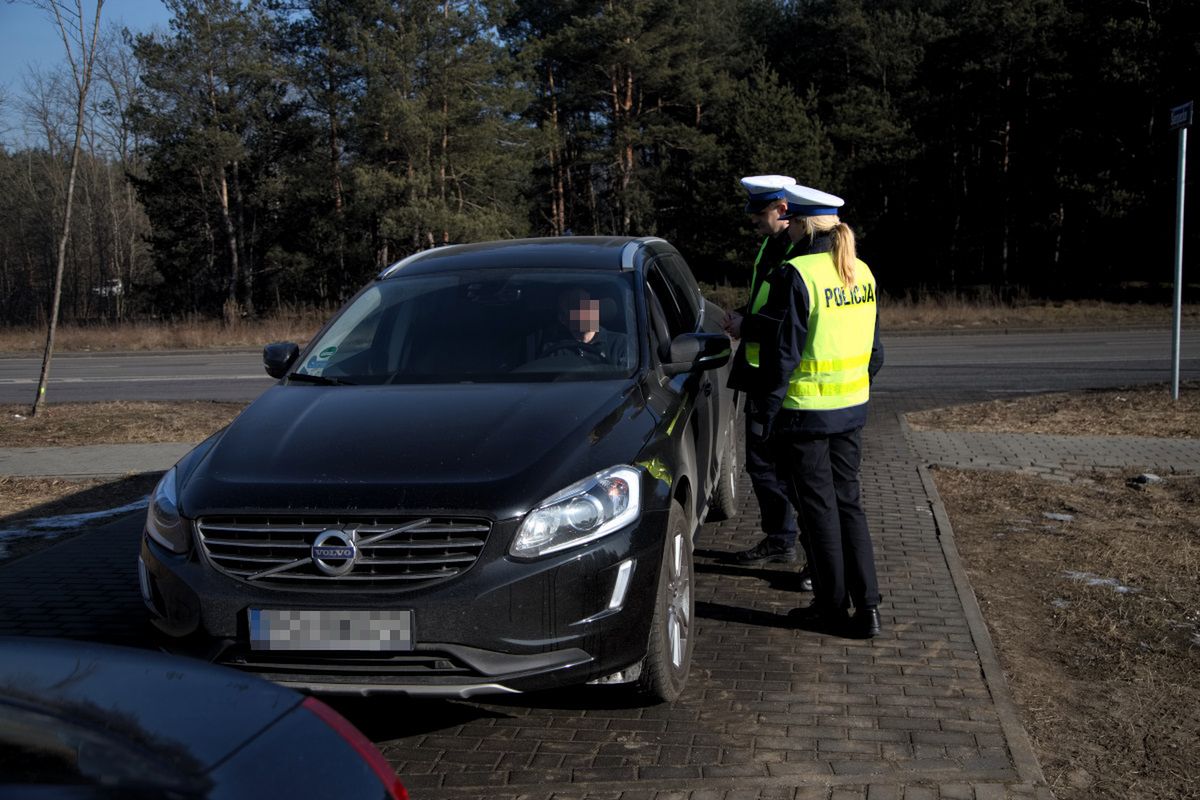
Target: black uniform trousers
{"type": "Point", "coordinates": [821, 471]}
{"type": "Point", "coordinates": [777, 517]}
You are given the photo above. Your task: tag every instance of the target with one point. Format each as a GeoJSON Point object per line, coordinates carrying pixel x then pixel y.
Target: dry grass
{"type": "Point", "coordinates": [953, 313]}
{"type": "Point", "coordinates": [932, 313]}
{"type": "Point", "coordinates": [1108, 681]}
{"type": "Point", "coordinates": [948, 312]}
{"type": "Point", "coordinates": [120, 422]}
{"type": "Point", "coordinates": [1134, 411]}
{"type": "Point", "coordinates": [188, 334]}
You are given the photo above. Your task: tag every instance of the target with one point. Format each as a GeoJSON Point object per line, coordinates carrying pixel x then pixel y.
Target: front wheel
{"type": "Point", "coordinates": [669, 650]}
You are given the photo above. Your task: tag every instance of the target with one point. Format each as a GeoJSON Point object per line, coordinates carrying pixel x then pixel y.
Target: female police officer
{"type": "Point", "coordinates": [819, 369]}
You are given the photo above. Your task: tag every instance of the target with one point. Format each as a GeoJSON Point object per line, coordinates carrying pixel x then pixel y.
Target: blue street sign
{"type": "Point", "coordinates": [1181, 116]}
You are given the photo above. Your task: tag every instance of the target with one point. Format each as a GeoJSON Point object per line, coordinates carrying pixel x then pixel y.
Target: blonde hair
{"type": "Point", "coordinates": [845, 251]}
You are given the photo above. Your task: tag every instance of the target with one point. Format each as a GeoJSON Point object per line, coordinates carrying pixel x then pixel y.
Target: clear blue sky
{"type": "Point", "coordinates": [28, 38]}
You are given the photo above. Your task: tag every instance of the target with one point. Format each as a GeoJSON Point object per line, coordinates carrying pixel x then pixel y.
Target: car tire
{"type": "Point", "coordinates": [723, 505]}
{"type": "Point", "coordinates": [672, 634]}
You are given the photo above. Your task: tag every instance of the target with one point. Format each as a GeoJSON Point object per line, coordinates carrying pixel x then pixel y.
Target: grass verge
{"type": "Point", "coordinates": [119, 422]}
{"type": "Point", "coordinates": [933, 313]}
{"type": "Point", "coordinates": [1096, 621]}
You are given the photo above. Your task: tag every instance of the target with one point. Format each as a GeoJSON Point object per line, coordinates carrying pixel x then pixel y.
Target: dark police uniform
{"type": "Point", "coordinates": [778, 520]}
{"type": "Point", "coordinates": [819, 366]}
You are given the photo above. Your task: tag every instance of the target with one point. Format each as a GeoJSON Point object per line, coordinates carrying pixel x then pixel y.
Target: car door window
{"type": "Point", "coordinates": [684, 287]}
{"type": "Point", "coordinates": [660, 334]}
{"type": "Point", "coordinates": [676, 320]}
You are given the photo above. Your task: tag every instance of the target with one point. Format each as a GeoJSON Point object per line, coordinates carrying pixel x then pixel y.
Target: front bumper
{"type": "Point", "coordinates": [502, 626]}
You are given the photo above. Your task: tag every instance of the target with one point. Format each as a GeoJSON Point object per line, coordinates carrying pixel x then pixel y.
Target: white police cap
{"type": "Point", "coordinates": [804, 201]}
{"type": "Point", "coordinates": [764, 189]}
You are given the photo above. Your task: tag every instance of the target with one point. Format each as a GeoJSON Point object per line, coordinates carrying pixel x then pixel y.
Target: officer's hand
{"type": "Point", "coordinates": [733, 324]}
{"type": "Point", "coordinates": [760, 427]}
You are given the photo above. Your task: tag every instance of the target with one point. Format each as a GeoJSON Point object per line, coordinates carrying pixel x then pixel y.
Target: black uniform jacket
{"type": "Point", "coordinates": [756, 328]}
{"type": "Point", "coordinates": [787, 310]}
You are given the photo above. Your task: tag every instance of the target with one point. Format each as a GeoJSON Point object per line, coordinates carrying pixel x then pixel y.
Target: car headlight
{"type": "Point", "coordinates": [163, 523]}
{"type": "Point", "coordinates": [583, 512]}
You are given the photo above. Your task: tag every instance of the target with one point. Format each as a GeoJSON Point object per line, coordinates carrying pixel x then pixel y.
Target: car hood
{"type": "Point", "coordinates": [186, 711]}
{"type": "Point", "coordinates": [489, 449]}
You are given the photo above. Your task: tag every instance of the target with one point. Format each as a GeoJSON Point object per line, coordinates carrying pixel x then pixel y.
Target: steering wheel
{"type": "Point", "coordinates": [581, 349]}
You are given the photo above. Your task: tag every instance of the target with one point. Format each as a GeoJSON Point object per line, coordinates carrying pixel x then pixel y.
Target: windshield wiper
{"type": "Point", "coordinates": [304, 377]}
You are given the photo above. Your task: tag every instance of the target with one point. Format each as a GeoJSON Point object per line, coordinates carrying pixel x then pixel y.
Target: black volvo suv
{"type": "Point", "coordinates": [483, 475]}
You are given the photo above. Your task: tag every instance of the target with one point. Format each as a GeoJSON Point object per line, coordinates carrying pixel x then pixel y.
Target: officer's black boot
{"type": "Point", "coordinates": [866, 622]}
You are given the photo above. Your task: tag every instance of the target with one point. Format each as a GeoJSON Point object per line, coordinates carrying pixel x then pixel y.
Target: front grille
{"type": "Point", "coordinates": [259, 550]}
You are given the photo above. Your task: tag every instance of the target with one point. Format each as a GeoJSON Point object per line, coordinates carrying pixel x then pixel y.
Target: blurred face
{"type": "Point", "coordinates": [583, 315]}
{"type": "Point", "coordinates": [768, 221]}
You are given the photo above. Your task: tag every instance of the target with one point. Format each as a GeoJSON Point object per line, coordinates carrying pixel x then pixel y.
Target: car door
{"type": "Point", "coordinates": [682, 308]}
{"type": "Point", "coordinates": [721, 403]}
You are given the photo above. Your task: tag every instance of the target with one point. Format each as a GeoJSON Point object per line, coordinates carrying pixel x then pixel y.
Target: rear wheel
{"type": "Point", "coordinates": [669, 651]}
{"type": "Point", "coordinates": [723, 505]}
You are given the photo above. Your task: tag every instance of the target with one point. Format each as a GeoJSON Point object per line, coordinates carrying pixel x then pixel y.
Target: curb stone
{"type": "Point", "coordinates": [1019, 745]}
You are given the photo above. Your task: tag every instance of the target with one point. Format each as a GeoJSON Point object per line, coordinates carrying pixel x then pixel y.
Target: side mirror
{"type": "Point", "coordinates": [278, 356]}
{"type": "Point", "coordinates": [697, 351]}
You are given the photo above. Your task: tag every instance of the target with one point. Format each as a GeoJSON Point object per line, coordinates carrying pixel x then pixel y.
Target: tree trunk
{"type": "Point", "coordinates": [558, 214]}
{"type": "Point", "coordinates": [82, 84]}
{"type": "Point", "coordinates": [231, 243]}
{"type": "Point", "coordinates": [245, 260]}
{"type": "Point", "coordinates": [443, 158]}
{"type": "Point", "coordinates": [335, 176]}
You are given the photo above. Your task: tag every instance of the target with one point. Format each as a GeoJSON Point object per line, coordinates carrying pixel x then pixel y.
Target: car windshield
{"type": "Point", "coordinates": [482, 326]}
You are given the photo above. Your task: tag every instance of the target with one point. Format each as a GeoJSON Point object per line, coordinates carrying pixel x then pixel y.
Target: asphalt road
{"type": "Point", "coordinates": [994, 363]}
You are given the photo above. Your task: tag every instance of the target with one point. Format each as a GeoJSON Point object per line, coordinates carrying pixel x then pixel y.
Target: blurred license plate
{"type": "Point", "coordinates": [294, 629]}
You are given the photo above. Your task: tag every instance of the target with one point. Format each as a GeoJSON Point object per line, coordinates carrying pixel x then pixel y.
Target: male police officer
{"type": "Point", "coordinates": [767, 208]}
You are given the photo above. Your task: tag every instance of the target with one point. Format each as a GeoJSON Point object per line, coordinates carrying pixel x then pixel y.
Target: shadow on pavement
{"type": "Point", "coordinates": [785, 578]}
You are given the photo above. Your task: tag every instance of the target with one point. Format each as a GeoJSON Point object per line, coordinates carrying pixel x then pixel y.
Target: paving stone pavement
{"type": "Point", "coordinates": [919, 712]}
{"type": "Point", "coordinates": [1054, 456]}
{"type": "Point", "coordinates": [90, 460]}
{"type": "Point", "coordinates": [769, 712]}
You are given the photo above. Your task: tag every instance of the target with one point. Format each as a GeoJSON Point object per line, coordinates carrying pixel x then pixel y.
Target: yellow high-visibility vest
{"type": "Point", "coordinates": [759, 299]}
{"type": "Point", "coordinates": [841, 331]}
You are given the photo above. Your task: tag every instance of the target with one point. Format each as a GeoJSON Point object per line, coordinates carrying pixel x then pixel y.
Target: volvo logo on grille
{"type": "Point", "coordinates": [334, 552]}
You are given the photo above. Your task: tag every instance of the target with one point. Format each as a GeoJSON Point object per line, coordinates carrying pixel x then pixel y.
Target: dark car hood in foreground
{"type": "Point", "coordinates": [492, 449]}
{"type": "Point", "coordinates": [195, 711]}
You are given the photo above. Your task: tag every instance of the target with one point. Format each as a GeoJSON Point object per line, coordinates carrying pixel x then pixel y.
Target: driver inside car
{"type": "Point", "coordinates": [578, 331]}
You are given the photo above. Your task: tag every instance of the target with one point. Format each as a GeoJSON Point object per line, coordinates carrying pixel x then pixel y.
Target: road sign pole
{"type": "Point", "coordinates": [1176, 331]}
{"type": "Point", "coordinates": [1181, 118]}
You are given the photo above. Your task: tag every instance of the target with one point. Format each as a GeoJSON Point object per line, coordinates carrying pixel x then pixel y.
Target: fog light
{"type": "Point", "coordinates": [627, 675]}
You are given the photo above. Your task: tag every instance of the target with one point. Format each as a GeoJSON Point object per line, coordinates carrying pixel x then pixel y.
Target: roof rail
{"type": "Point", "coordinates": [631, 248]}
{"type": "Point", "coordinates": [402, 263]}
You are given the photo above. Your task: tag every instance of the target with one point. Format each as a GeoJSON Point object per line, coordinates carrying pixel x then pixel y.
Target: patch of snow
{"type": "Point", "coordinates": [66, 521]}
{"type": "Point", "coordinates": [1096, 580]}
{"type": "Point", "coordinates": [1058, 517]}
{"type": "Point", "coordinates": [1058, 602]}
{"type": "Point", "coordinates": [51, 527]}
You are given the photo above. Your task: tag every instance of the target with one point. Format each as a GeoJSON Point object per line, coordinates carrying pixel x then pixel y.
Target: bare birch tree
{"type": "Point", "coordinates": [79, 45]}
